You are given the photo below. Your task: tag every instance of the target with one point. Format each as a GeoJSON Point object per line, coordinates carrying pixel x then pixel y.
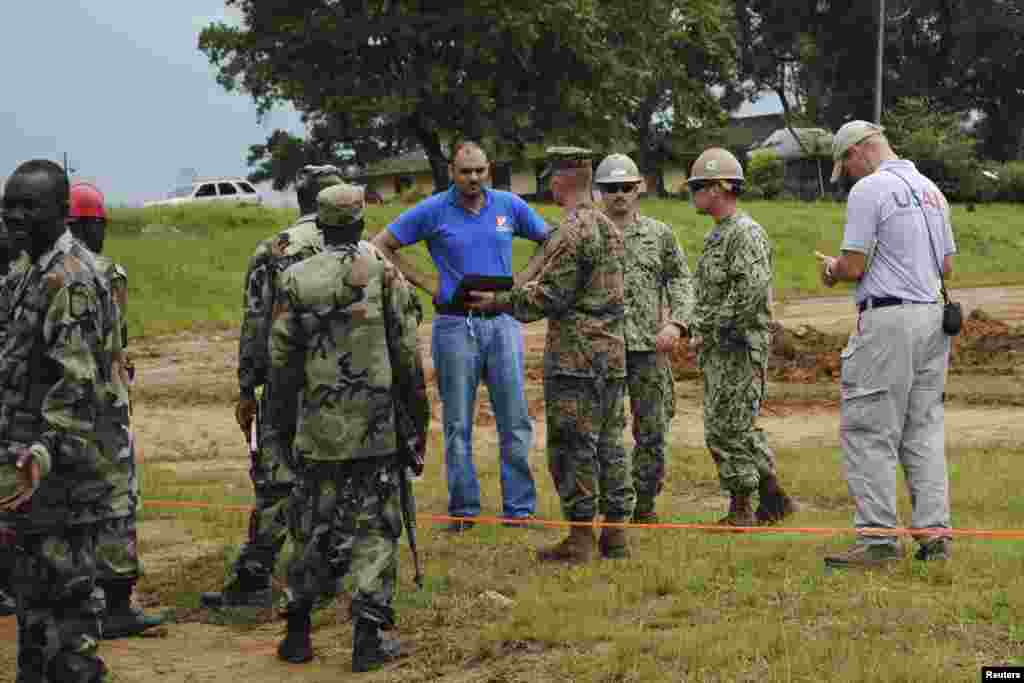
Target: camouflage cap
{"type": "Point", "coordinates": [560, 158]}
{"type": "Point", "coordinates": [340, 205]}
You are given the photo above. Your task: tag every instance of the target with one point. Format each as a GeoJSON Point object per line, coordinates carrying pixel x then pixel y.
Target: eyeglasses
{"type": "Point", "coordinates": [615, 188]}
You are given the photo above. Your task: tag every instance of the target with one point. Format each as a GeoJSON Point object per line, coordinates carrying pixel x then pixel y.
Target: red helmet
{"type": "Point", "coordinates": [86, 202]}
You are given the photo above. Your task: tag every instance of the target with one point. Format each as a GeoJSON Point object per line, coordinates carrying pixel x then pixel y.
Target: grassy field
{"type": "Point", "coordinates": [687, 606]}
{"type": "Point", "coordinates": [186, 265]}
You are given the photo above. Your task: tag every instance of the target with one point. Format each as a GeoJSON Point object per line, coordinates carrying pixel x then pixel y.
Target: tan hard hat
{"type": "Point", "coordinates": [716, 163]}
{"type": "Point", "coordinates": [617, 168]}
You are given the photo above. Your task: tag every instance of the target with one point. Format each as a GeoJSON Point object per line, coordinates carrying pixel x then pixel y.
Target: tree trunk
{"type": "Point", "coordinates": [431, 142]}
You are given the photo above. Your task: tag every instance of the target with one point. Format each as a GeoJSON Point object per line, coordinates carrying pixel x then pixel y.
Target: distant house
{"type": "Point", "coordinates": [807, 163]}
{"type": "Point", "coordinates": [411, 172]}
{"type": "Point", "coordinates": [392, 177]}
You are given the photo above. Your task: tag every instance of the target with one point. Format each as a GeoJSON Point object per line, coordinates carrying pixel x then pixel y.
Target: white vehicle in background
{"type": "Point", "coordinates": [236, 190]}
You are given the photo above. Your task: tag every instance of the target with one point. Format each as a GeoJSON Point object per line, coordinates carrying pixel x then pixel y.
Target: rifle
{"type": "Point", "coordinates": [408, 501]}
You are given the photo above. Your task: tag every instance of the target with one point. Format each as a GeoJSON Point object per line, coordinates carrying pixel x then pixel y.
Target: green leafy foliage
{"type": "Point", "coordinates": [765, 174]}
{"type": "Point", "coordinates": [919, 129]}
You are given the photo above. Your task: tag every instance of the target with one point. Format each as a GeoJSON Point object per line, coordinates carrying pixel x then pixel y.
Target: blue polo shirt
{"type": "Point", "coordinates": [461, 242]}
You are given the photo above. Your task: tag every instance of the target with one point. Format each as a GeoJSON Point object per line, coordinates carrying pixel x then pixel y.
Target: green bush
{"type": "Point", "coordinates": [920, 130]}
{"type": "Point", "coordinates": [765, 174]}
{"type": "Point", "coordinates": [1011, 182]}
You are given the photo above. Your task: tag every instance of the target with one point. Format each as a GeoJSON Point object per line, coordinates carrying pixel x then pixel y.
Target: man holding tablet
{"type": "Point", "coordinates": [468, 230]}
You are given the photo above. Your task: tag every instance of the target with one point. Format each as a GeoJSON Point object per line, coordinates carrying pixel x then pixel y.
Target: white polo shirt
{"type": "Point", "coordinates": [885, 221]}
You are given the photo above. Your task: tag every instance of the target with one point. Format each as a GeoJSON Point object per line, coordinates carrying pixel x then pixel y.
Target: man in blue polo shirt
{"type": "Point", "coordinates": [469, 230]}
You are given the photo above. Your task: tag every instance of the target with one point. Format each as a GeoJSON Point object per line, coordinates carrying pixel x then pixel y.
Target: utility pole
{"type": "Point", "coordinates": [879, 66]}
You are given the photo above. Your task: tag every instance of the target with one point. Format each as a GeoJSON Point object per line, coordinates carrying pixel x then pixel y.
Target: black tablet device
{"type": "Point", "coordinates": [480, 283]}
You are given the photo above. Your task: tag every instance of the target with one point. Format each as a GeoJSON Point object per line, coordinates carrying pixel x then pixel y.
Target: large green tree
{"type": "Point", "coordinates": [663, 57]}
{"type": "Point", "coordinates": [816, 55]}
{"type": "Point", "coordinates": [576, 71]}
{"type": "Point", "coordinates": [489, 69]}
{"type": "Point", "coordinates": [819, 56]}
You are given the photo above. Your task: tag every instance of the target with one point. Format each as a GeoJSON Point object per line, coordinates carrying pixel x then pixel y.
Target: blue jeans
{"type": "Point", "coordinates": [466, 349]}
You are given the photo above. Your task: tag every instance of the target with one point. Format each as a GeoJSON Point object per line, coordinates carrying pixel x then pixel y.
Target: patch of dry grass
{"type": "Point", "coordinates": [687, 606]}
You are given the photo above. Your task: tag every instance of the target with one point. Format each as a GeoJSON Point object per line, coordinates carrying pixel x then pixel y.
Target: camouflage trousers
{"type": "Point", "coordinates": [346, 519]}
{"type": "Point", "coordinates": [59, 607]}
{"type": "Point", "coordinates": [652, 401]}
{"type": "Point", "coordinates": [272, 481]}
{"type": "Point", "coordinates": [735, 384]}
{"type": "Point", "coordinates": [117, 555]}
{"type": "Point", "coordinates": [588, 463]}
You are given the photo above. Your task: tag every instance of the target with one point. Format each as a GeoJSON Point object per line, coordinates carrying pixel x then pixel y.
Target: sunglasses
{"type": "Point", "coordinates": [698, 185]}
{"type": "Point", "coordinates": [615, 188]}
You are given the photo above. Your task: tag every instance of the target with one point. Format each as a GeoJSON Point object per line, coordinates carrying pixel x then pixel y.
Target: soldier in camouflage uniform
{"type": "Point", "coordinates": [731, 327]}
{"type": "Point", "coordinates": [9, 274]}
{"type": "Point", "coordinates": [580, 290]}
{"type": "Point", "coordinates": [659, 304]}
{"type": "Point", "coordinates": [118, 566]}
{"type": "Point", "coordinates": [249, 581]}
{"type": "Point", "coordinates": [344, 357]}
{"type": "Point", "coordinates": [53, 488]}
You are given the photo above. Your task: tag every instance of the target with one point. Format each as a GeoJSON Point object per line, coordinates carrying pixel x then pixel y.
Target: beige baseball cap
{"type": "Point", "coordinates": [340, 205]}
{"type": "Point", "coordinates": [851, 133]}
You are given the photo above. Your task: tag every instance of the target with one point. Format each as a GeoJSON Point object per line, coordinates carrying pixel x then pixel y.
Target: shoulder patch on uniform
{"type": "Point", "coordinates": [359, 272]}
{"type": "Point", "coordinates": [72, 264]}
{"type": "Point", "coordinates": [280, 245]}
{"type": "Point", "coordinates": [78, 300]}
{"type": "Point", "coordinates": [54, 282]}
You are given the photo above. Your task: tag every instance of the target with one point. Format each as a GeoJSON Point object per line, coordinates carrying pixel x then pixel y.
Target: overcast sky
{"type": "Point", "coordinates": [122, 88]}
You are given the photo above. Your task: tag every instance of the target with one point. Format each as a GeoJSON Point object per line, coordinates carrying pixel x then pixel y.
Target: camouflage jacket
{"type": "Point", "coordinates": [272, 257]}
{"type": "Point", "coordinates": [734, 284]}
{"type": "Point", "coordinates": [113, 428]}
{"type": "Point", "coordinates": [8, 284]}
{"type": "Point", "coordinates": [580, 290]}
{"type": "Point", "coordinates": [344, 346]}
{"type": "Point", "coordinates": [658, 285]}
{"type": "Point", "coordinates": [52, 362]}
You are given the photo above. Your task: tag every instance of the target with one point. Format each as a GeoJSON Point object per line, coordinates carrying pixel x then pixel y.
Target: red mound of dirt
{"type": "Point", "coordinates": [806, 355]}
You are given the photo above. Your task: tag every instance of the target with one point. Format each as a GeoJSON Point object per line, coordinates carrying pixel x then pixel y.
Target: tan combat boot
{"type": "Point", "coordinates": [613, 543]}
{"type": "Point", "coordinates": [775, 503]}
{"type": "Point", "coordinates": [578, 547]}
{"type": "Point", "coordinates": [741, 513]}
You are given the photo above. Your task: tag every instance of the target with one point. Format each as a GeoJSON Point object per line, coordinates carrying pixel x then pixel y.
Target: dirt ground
{"type": "Point", "coordinates": [183, 416]}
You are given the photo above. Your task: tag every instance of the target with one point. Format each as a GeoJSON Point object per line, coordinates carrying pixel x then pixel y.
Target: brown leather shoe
{"type": "Point", "coordinates": [775, 503]}
{"type": "Point", "coordinates": [741, 513]}
{"type": "Point", "coordinates": [578, 547]}
{"type": "Point", "coordinates": [613, 544]}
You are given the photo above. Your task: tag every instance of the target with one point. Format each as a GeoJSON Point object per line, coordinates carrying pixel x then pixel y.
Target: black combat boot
{"type": "Point", "coordinates": [775, 505]}
{"type": "Point", "coordinates": [369, 650]}
{"type": "Point", "coordinates": [297, 646]}
{"type": "Point", "coordinates": [245, 589]}
{"type": "Point", "coordinates": [121, 618]}
{"type": "Point", "coordinates": [8, 605]}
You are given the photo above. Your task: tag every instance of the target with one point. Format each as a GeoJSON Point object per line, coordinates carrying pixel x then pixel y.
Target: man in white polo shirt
{"type": "Point", "coordinates": [897, 237]}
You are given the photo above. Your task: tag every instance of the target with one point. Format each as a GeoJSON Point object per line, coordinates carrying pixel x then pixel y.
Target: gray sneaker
{"type": "Point", "coordinates": [938, 549]}
{"type": "Point", "coordinates": [866, 556]}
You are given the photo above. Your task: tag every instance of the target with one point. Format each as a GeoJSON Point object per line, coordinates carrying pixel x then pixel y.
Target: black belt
{"type": "Point", "coordinates": [883, 301]}
{"type": "Point", "coordinates": [447, 309]}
